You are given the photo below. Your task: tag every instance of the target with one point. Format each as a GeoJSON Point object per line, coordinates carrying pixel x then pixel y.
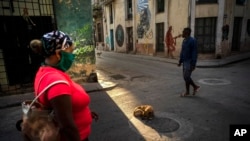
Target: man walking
{"type": "Point", "coordinates": [188, 58]}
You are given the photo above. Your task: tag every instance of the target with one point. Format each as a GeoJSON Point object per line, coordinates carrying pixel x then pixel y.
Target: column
{"type": "Point", "coordinates": [218, 51]}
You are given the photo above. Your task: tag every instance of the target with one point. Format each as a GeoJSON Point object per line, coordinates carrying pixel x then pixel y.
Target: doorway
{"type": "Point", "coordinates": [236, 34]}
{"type": "Point", "coordinates": [129, 44]}
{"type": "Point", "coordinates": [112, 39]}
{"type": "Point", "coordinates": [20, 62]}
{"type": "Point", "coordinates": [160, 37]}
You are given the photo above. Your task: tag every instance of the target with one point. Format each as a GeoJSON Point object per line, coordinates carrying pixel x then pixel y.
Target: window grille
{"type": "Point", "coordinates": [205, 34]}
{"type": "Point", "coordinates": [206, 1]}
{"type": "Point", "coordinates": [20, 22]}
{"type": "Point", "coordinates": [129, 10]}
{"type": "Point", "coordinates": [160, 5]}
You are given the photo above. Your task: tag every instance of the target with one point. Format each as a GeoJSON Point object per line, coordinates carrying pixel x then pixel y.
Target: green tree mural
{"type": "Point", "coordinates": [73, 17]}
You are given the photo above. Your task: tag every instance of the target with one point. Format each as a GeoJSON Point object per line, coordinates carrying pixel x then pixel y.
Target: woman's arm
{"type": "Point", "coordinates": [62, 107]}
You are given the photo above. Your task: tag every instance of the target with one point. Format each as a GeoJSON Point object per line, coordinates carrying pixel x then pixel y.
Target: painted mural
{"type": "Point", "coordinates": [119, 35]}
{"type": "Point", "coordinates": [73, 17]}
{"type": "Point", "coordinates": [144, 17]}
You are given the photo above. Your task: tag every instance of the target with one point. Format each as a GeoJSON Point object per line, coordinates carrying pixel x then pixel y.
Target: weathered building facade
{"type": "Point", "coordinates": [24, 20]}
{"type": "Point", "coordinates": [221, 27]}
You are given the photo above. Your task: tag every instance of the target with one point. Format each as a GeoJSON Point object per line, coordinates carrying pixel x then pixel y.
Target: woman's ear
{"type": "Point", "coordinates": [58, 54]}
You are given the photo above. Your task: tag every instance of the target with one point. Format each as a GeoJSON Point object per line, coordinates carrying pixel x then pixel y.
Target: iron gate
{"type": "Point", "coordinates": [22, 21]}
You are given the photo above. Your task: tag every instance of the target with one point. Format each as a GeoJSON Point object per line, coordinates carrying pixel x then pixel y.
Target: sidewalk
{"type": "Point", "coordinates": [104, 83]}
{"type": "Point", "coordinates": [16, 100]}
{"type": "Point", "coordinates": [201, 63]}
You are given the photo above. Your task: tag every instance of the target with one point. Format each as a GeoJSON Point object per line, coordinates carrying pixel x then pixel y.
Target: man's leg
{"type": "Point", "coordinates": [196, 87]}
{"type": "Point", "coordinates": [186, 76]}
{"type": "Point", "coordinates": [187, 87]}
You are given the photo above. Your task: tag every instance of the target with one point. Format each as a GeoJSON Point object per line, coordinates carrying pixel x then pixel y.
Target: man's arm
{"type": "Point", "coordinates": [181, 57]}
{"type": "Point", "coordinates": [194, 54]}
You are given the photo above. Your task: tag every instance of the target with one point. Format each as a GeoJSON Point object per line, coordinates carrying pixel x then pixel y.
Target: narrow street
{"type": "Point", "coordinates": [222, 100]}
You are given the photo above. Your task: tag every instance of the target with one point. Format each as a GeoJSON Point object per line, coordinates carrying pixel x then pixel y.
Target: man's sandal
{"type": "Point", "coordinates": [184, 94]}
{"type": "Point", "coordinates": [196, 89]}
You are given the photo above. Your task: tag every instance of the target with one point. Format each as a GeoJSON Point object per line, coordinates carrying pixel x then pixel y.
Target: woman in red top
{"type": "Point", "coordinates": [68, 99]}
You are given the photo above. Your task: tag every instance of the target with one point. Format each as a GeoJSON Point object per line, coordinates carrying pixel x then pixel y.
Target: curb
{"type": "Point", "coordinates": [96, 89]}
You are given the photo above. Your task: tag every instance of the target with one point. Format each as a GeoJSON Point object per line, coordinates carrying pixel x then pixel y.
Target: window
{"type": "Point", "coordinates": [99, 33]}
{"type": "Point", "coordinates": [160, 37]}
{"type": "Point", "coordinates": [111, 14]}
{"type": "Point", "coordinates": [248, 27]}
{"type": "Point", "coordinates": [206, 1]}
{"type": "Point", "coordinates": [160, 5]}
{"type": "Point", "coordinates": [240, 2]}
{"type": "Point", "coordinates": [205, 34]}
{"type": "Point", "coordinates": [129, 10]}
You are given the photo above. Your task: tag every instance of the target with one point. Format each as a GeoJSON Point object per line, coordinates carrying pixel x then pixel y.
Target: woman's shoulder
{"type": "Point", "coordinates": [50, 74]}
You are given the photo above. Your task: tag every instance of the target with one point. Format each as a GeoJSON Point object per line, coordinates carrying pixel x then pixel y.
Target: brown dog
{"type": "Point", "coordinates": [144, 112]}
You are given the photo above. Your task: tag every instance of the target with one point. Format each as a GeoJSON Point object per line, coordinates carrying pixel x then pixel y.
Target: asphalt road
{"type": "Point", "coordinates": [222, 100]}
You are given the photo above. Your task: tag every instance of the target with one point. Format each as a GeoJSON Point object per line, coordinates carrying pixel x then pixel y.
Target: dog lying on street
{"type": "Point", "coordinates": [144, 112]}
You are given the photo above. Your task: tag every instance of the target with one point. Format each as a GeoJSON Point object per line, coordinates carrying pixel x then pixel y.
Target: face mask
{"type": "Point", "coordinates": [66, 61]}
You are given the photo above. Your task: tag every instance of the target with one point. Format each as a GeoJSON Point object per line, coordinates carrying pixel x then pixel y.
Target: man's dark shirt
{"type": "Point", "coordinates": [188, 55]}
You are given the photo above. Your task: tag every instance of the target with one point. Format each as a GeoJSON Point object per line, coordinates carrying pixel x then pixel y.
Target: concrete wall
{"type": "Point", "coordinates": [119, 19]}
{"type": "Point", "coordinates": [206, 10]}
{"type": "Point", "coordinates": [178, 12]}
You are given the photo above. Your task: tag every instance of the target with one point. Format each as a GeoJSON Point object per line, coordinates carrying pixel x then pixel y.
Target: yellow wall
{"type": "Point", "coordinates": [206, 10]}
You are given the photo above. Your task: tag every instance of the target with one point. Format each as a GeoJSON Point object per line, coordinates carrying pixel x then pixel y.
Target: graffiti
{"type": "Point", "coordinates": [77, 22]}
{"type": "Point", "coordinates": [141, 5]}
{"type": "Point", "coordinates": [145, 16]}
{"type": "Point", "coordinates": [119, 35]}
{"type": "Point", "coordinates": [107, 40]}
{"type": "Point", "coordinates": [147, 36]}
{"type": "Point", "coordinates": [170, 42]}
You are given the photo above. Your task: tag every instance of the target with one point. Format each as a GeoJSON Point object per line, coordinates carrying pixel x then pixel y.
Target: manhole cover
{"type": "Point", "coordinates": [163, 125]}
{"type": "Point", "coordinates": [214, 81]}
{"type": "Point", "coordinates": [117, 76]}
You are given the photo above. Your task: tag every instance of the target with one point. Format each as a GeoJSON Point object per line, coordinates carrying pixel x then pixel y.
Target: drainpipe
{"type": "Point", "coordinates": [166, 25]}
{"type": "Point", "coordinates": [134, 26]}
{"type": "Point", "coordinates": [244, 27]}
{"type": "Point", "coordinates": [191, 16]}
{"type": "Point", "coordinates": [218, 50]}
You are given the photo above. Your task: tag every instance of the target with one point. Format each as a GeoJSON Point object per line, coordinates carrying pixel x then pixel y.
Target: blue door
{"type": "Point", "coordinates": [112, 39]}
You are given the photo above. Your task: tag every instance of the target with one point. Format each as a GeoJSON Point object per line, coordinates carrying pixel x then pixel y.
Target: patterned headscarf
{"type": "Point", "coordinates": [55, 40]}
